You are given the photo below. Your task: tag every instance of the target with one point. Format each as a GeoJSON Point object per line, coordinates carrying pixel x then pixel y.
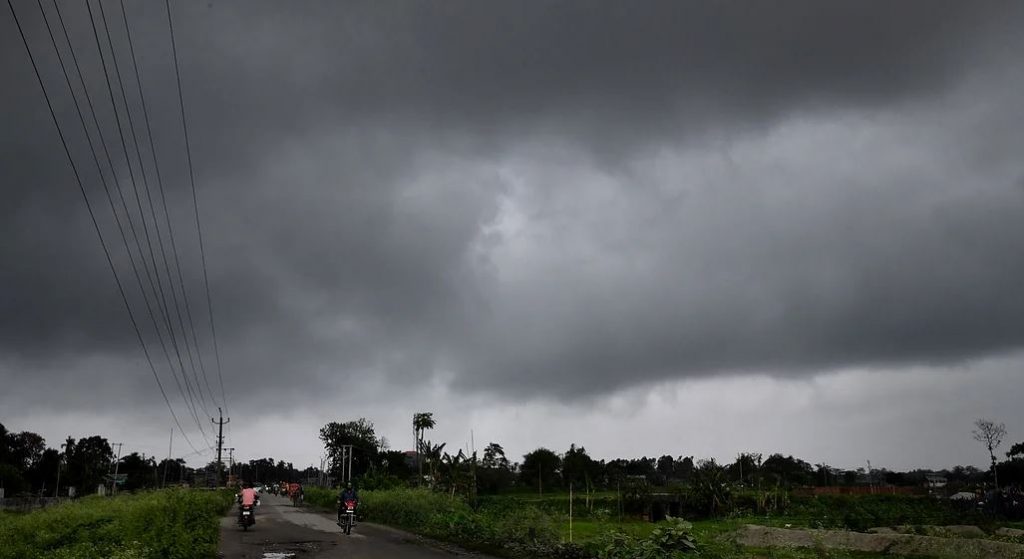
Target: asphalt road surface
{"type": "Point", "coordinates": [286, 532]}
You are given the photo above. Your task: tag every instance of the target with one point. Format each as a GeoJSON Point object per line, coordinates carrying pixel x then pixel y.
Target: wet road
{"type": "Point", "coordinates": [286, 532]}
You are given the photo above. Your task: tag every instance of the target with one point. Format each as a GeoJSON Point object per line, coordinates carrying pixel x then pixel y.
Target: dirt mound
{"type": "Point", "coordinates": [896, 544]}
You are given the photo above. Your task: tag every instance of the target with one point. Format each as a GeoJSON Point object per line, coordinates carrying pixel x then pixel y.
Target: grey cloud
{"type": "Point", "coordinates": [355, 167]}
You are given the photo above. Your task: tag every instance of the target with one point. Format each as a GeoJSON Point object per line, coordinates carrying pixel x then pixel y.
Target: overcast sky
{"type": "Point", "coordinates": [687, 228]}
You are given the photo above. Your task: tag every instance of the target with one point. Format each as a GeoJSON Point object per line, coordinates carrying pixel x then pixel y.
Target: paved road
{"type": "Point", "coordinates": [286, 532]}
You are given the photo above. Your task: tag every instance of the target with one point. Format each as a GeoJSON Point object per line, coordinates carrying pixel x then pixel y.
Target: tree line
{"type": "Point", "coordinates": [28, 466]}
{"type": "Point", "coordinates": [374, 464]}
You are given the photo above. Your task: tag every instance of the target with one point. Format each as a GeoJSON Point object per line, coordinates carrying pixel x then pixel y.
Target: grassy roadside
{"type": "Point", "coordinates": [521, 528]}
{"type": "Point", "coordinates": [172, 524]}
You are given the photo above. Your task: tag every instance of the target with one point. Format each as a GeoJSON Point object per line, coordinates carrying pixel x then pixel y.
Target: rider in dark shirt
{"type": "Point", "coordinates": [347, 494]}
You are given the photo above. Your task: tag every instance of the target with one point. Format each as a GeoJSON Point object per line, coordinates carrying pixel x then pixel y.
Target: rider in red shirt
{"type": "Point", "coordinates": [248, 496]}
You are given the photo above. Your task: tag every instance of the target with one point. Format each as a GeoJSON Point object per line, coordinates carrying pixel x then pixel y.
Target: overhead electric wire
{"type": "Point", "coordinates": [113, 170]}
{"type": "Point", "coordinates": [145, 183]}
{"type": "Point", "coordinates": [88, 205]}
{"type": "Point", "coordinates": [195, 201]}
{"type": "Point", "coordinates": [109, 197]}
{"type": "Point", "coordinates": [131, 172]}
{"type": "Point", "coordinates": [160, 187]}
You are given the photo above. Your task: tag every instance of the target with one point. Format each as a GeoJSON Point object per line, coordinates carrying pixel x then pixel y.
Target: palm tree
{"type": "Point", "coordinates": [433, 454]}
{"type": "Point", "coordinates": [421, 422]}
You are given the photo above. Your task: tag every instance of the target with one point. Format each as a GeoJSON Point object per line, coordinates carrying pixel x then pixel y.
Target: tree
{"type": "Point", "coordinates": [615, 472]}
{"type": "Point", "coordinates": [20, 456]}
{"type": "Point", "coordinates": [1011, 471]}
{"type": "Point", "coordinates": [421, 421]}
{"type": "Point", "coordinates": [540, 467]}
{"type": "Point", "coordinates": [746, 465]}
{"type": "Point", "coordinates": [787, 470]}
{"type": "Point", "coordinates": [825, 474]}
{"type": "Point", "coordinates": [172, 471]}
{"type": "Point", "coordinates": [991, 435]}
{"type": "Point", "coordinates": [709, 489]}
{"type": "Point", "coordinates": [4, 444]}
{"type": "Point", "coordinates": [577, 466]}
{"type": "Point", "coordinates": [495, 473]}
{"type": "Point", "coordinates": [140, 473]}
{"type": "Point", "coordinates": [494, 457]}
{"type": "Point", "coordinates": [24, 449]}
{"type": "Point", "coordinates": [641, 467]}
{"type": "Point", "coordinates": [395, 464]}
{"type": "Point", "coordinates": [87, 461]}
{"type": "Point", "coordinates": [666, 467]}
{"type": "Point", "coordinates": [433, 455]}
{"type": "Point", "coordinates": [43, 473]}
{"type": "Point", "coordinates": [684, 468]}
{"type": "Point", "coordinates": [12, 480]}
{"type": "Point", "coordinates": [457, 473]}
{"type": "Point", "coordinates": [361, 435]}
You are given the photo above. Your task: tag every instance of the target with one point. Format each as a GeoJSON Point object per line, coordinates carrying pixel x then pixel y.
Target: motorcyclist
{"type": "Point", "coordinates": [348, 493]}
{"type": "Point", "coordinates": [247, 498]}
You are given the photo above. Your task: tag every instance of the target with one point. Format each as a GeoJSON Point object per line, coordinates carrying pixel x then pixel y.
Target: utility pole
{"type": "Point", "coordinates": [167, 464]}
{"type": "Point", "coordinates": [117, 465]}
{"type": "Point", "coordinates": [63, 457]}
{"type": "Point", "coordinates": [346, 463]}
{"type": "Point", "coordinates": [231, 460]}
{"type": "Point", "coordinates": [220, 439]}
{"type": "Point", "coordinates": [56, 491]}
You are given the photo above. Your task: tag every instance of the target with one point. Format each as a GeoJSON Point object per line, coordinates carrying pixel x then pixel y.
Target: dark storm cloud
{"type": "Point", "coordinates": [468, 190]}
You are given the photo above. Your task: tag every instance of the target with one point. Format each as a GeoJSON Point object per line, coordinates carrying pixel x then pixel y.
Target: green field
{"type": "Point", "coordinates": [527, 525]}
{"type": "Point", "coordinates": [167, 524]}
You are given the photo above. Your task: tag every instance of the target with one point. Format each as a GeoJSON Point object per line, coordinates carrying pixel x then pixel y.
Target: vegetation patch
{"type": "Point", "coordinates": [889, 544]}
{"type": "Point", "coordinates": [168, 524]}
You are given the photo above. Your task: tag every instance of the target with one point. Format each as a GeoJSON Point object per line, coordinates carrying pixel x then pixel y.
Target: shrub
{"type": "Point", "coordinates": [174, 524]}
{"type": "Point", "coordinates": [860, 512]}
{"type": "Point", "coordinates": [508, 526]}
{"type": "Point", "coordinates": [320, 497]}
{"type": "Point", "coordinates": [670, 541]}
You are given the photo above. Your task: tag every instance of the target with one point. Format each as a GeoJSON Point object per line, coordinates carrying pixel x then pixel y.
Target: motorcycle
{"type": "Point", "coordinates": [347, 516]}
{"type": "Point", "coordinates": [246, 516]}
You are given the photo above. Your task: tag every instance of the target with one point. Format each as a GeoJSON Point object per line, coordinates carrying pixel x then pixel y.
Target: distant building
{"type": "Point", "coordinates": [935, 481]}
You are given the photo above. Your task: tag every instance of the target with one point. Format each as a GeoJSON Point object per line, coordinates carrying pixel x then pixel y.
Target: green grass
{"type": "Point", "coordinates": [525, 525]}
{"type": "Point", "coordinates": [585, 530]}
{"type": "Point", "coordinates": [714, 537]}
{"type": "Point", "coordinates": [172, 524]}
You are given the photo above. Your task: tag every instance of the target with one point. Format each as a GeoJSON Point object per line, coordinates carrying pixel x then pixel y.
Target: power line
{"type": "Point", "coordinates": [92, 214]}
{"type": "Point", "coordinates": [131, 173]}
{"type": "Point", "coordinates": [131, 126]}
{"type": "Point", "coordinates": [166, 315]}
{"type": "Point", "coordinates": [160, 187]}
{"type": "Point", "coordinates": [113, 171]}
{"type": "Point", "coordinates": [195, 201]}
{"type": "Point", "coordinates": [107, 189]}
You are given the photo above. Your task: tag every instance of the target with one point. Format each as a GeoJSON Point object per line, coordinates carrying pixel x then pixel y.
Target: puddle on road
{"type": "Point", "coordinates": [290, 550]}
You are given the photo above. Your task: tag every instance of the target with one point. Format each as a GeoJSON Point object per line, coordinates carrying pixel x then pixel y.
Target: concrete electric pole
{"type": "Point", "coordinates": [220, 439]}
